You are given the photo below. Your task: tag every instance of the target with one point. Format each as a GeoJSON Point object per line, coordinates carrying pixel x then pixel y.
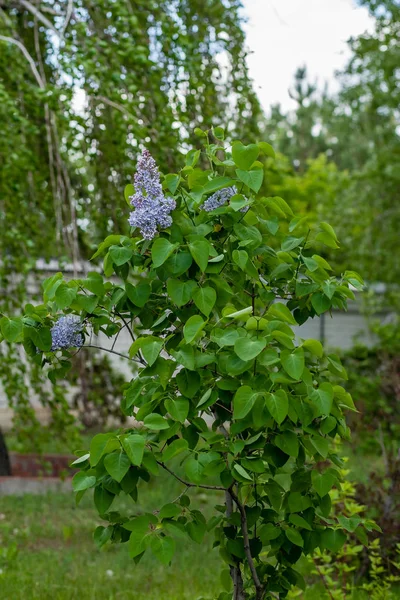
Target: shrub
{"type": "Point", "coordinates": [210, 287]}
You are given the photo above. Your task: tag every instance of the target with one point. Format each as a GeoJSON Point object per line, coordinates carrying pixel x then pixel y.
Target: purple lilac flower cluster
{"type": "Point", "coordinates": [66, 333]}
{"type": "Point", "coordinates": [219, 198]}
{"type": "Point", "coordinates": [152, 208]}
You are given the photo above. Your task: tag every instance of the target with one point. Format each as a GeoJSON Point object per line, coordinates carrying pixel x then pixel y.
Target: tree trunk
{"type": "Point", "coordinates": [5, 465]}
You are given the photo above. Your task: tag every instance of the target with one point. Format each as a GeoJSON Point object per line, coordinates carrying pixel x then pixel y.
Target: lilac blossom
{"type": "Point", "coordinates": [219, 198]}
{"type": "Point", "coordinates": [152, 208]}
{"type": "Point", "coordinates": [66, 333]}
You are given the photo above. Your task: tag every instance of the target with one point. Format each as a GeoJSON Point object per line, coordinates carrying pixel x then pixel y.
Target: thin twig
{"type": "Point", "coordinates": [112, 352]}
{"type": "Point", "coordinates": [188, 484]}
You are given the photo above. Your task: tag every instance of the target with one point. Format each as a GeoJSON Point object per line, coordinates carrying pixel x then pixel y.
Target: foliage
{"type": "Point", "coordinates": [210, 304]}
{"type": "Point", "coordinates": [374, 381]}
{"type": "Point", "coordinates": [358, 130]}
{"type": "Point", "coordinates": [83, 86]}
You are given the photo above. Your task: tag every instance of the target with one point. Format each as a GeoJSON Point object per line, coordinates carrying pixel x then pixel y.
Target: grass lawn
{"type": "Point", "coordinates": [57, 557]}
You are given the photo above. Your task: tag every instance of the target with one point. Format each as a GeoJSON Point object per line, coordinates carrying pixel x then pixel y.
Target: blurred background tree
{"type": "Point", "coordinates": [84, 86]}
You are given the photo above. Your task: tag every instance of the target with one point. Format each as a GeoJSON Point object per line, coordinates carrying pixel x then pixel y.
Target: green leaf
{"type": "Point", "coordinates": [172, 181]}
{"type": "Point", "coordinates": [322, 399]}
{"type": "Point", "coordinates": [335, 366]}
{"type": "Point", "coordinates": [175, 448]}
{"type": "Point", "coordinates": [217, 184]}
{"type": "Point", "coordinates": [320, 302]}
{"type": "Point", "coordinates": [178, 263]}
{"type": "Point", "coordinates": [194, 470]}
{"type": "Point", "coordinates": [134, 447]}
{"type": "Point", "coordinates": [11, 328]}
{"type": "Point", "coordinates": [138, 294]}
{"type": "Point", "coordinates": [177, 408]}
{"type": "Point", "coordinates": [188, 383]}
{"type": "Point", "coordinates": [280, 311]}
{"type": "Point", "coordinates": [192, 328]}
{"type": "Point", "coordinates": [242, 472]}
{"type": "Point", "coordinates": [139, 531]}
{"type": "Point", "coordinates": [300, 522]}
{"type": "Point", "coordinates": [205, 298]}
{"type": "Point", "coordinates": [243, 402]}
{"type": "Point", "coordinates": [117, 465]}
{"type": "Point", "coordinates": [129, 191]}
{"type": "Point", "coordinates": [151, 347]}
{"type": "Point", "coordinates": [278, 405]}
{"type": "Point", "coordinates": [170, 510]}
{"type": "Point", "coordinates": [253, 179]}
{"type": "Point", "coordinates": [268, 532]}
{"type": "Point", "coordinates": [248, 348]}
{"type": "Point", "coordinates": [161, 250]}
{"type": "Point", "coordinates": [120, 255]}
{"type": "Point", "coordinates": [180, 292]}
{"type": "Point", "coordinates": [293, 362]}
{"type": "Point", "coordinates": [111, 240]}
{"type": "Point", "coordinates": [323, 482]}
{"type": "Point", "coordinates": [333, 539]}
{"type": "Point", "coordinates": [244, 156]}
{"type": "Point", "coordinates": [326, 239]}
{"type": "Point", "coordinates": [41, 337]}
{"type": "Point", "coordinates": [267, 149]}
{"type": "Point", "coordinates": [297, 502]}
{"type": "Point", "coordinates": [314, 346]}
{"type": "Point", "coordinates": [64, 296]}
{"type": "Point", "coordinates": [81, 481]}
{"type": "Point", "coordinates": [156, 422]}
{"type": "Point", "coordinates": [288, 443]}
{"type": "Point", "coordinates": [101, 444]}
{"type": "Point", "coordinates": [200, 250]}
{"type": "Point", "coordinates": [163, 548]}
{"type": "Point", "coordinates": [102, 499]}
{"type": "Point", "coordinates": [294, 536]}
{"type": "Point", "coordinates": [321, 445]}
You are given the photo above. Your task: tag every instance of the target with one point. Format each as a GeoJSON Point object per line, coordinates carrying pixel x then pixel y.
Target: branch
{"type": "Point", "coordinates": [246, 543]}
{"type": "Point", "coordinates": [119, 107]}
{"type": "Point", "coordinates": [27, 56]}
{"type": "Point", "coordinates": [34, 11]}
{"type": "Point", "coordinates": [68, 16]}
{"type": "Point", "coordinates": [112, 352]}
{"type": "Point", "coordinates": [187, 483]}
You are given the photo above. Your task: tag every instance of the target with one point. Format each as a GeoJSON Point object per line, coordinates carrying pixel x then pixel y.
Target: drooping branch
{"type": "Point", "coordinates": [40, 16]}
{"type": "Point", "coordinates": [28, 57]}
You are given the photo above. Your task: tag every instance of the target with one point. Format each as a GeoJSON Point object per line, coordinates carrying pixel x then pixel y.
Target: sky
{"type": "Point", "coordinates": [285, 34]}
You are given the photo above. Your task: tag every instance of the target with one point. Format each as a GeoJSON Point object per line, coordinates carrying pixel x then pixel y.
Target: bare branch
{"type": "Point", "coordinates": [28, 57]}
{"type": "Point", "coordinates": [119, 107]}
{"type": "Point", "coordinates": [68, 16]}
{"type": "Point", "coordinates": [34, 11]}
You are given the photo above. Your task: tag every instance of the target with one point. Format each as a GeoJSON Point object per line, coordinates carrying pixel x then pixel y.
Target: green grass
{"type": "Point", "coordinates": [57, 558]}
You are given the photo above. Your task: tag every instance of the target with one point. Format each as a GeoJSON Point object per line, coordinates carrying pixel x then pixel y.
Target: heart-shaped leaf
{"type": "Point", "coordinates": [249, 348]}
{"type": "Point", "coordinates": [244, 156]}
{"type": "Point", "coordinates": [253, 179]}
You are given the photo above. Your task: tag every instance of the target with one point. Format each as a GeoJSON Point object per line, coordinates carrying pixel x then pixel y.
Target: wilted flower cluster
{"type": "Point", "coordinates": [66, 333]}
{"type": "Point", "coordinates": [219, 198]}
{"type": "Point", "coordinates": [152, 208]}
